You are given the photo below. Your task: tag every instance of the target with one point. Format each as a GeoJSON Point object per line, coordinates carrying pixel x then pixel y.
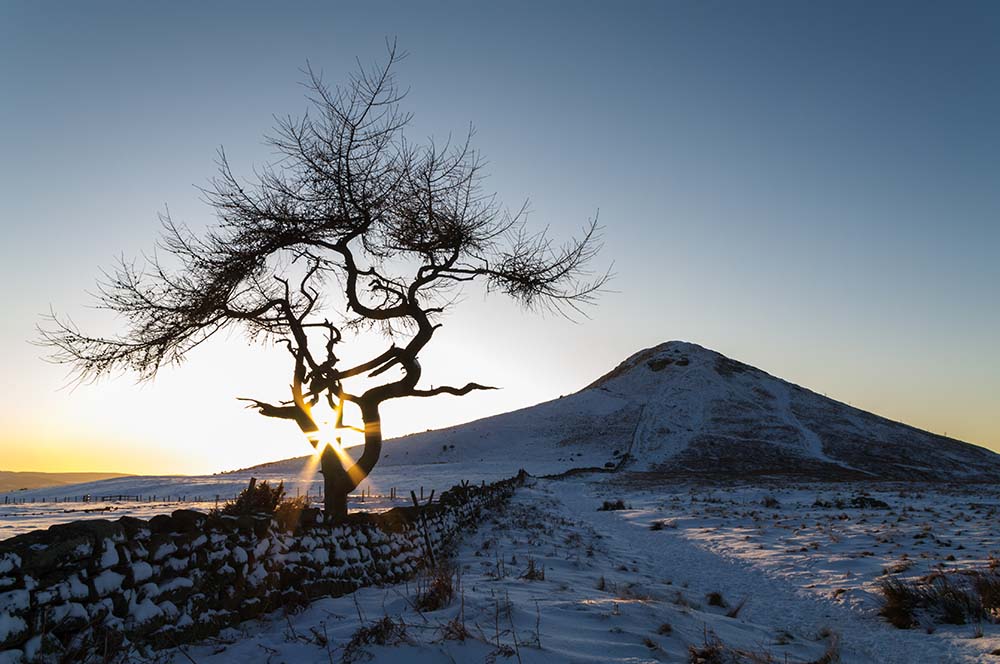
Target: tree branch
{"type": "Point", "coordinates": [444, 389]}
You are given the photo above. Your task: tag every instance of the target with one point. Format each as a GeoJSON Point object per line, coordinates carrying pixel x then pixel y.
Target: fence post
{"type": "Point", "coordinates": [423, 525]}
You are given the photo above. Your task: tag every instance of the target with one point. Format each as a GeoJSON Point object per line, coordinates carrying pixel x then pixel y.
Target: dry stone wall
{"type": "Point", "coordinates": [78, 591]}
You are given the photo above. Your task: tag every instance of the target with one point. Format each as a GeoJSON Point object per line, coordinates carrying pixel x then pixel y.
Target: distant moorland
{"type": "Point", "coordinates": [14, 481]}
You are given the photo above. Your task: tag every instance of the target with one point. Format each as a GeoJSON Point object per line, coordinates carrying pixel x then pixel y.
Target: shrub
{"type": "Point", "coordinates": [612, 505]}
{"type": "Point", "coordinates": [256, 499]}
{"type": "Point", "coordinates": [289, 510]}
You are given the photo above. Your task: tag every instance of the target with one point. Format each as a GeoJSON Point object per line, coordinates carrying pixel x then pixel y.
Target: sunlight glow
{"type": "Point", "coordinates": [309, 471]}
{"type": "Point", "coordinates": [355, 473]}
{"type": "Point", "coordinates": [329, 433]}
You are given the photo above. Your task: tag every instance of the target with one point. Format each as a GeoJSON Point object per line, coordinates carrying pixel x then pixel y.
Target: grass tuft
{"type": "Point", "coordinates": [385, 632]}
{"type": "Point", "coordinates": [534, 572]}
{"type": "Point", "coordinates": [437, 591]}
{"type": "Point", "coordinates": [612, 505]}
{"type": "Point", "coordinates": [716, 599]}
{"type": "Point", "coordinates": [956, 598]}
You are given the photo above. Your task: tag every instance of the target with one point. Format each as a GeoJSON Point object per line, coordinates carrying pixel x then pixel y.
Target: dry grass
{"type": "Point", "coordinates": [435, 590]}
{"type": "Point", "coordinates": [955, 598]}
{"type": "Point", "coordinates": [385, 632]}
{"type": "Point", "coordinates": [832, 653]}
{"type": "Point", "coordinates": [455, 630]}
{"type": "Point", "coordinates": [662, 524]}
{"type": "Point", "coordinates": [713, 651]}
{"type": "Point", "coordinates": [716, 599]}
{"type": "Point", "coordinates": [289, 510]}
{"type": "Point", "coordinates": [735, 611]}
{"type": "Point", "coordinates": [534, 572]}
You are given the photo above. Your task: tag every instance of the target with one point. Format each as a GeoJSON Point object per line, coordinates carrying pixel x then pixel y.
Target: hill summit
{"type": "Point", "coordinates": [705, 413]}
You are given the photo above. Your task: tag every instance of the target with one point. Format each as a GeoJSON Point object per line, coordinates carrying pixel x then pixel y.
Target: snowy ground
{"type": "Point", "coordinates": [835, 540]}
{"type": "Point", "coordinates": [616, 590]}
{"type": "Point", "coordinates": [808, 555]}
{"type": "Point", "coordinates": [41, 508]}
{"type": "Point", "coordinates": [603, 590]}
{"type": "Point", "coordinates": [795, 567]}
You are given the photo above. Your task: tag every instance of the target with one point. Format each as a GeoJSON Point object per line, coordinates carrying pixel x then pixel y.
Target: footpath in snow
{"type": "Point", "coordinates": [772, 600]}
{"type": "Point", "coordinates": [553, 579]}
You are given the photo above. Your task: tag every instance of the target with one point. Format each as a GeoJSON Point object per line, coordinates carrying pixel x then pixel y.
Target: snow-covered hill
{"type": "Point", "coordinates": [681, 409]}
{"type": "Point", "coordinates": [17, 480]}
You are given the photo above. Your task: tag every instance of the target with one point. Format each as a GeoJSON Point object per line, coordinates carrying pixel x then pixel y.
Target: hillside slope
{"type": "Point", "coordinates": [18, 480]}
{"type": "Point", "coordinates": [681, 409]}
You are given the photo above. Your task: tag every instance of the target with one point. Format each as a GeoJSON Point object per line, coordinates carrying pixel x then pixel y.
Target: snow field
{"type": "Point", "coordinates": [538, 583]}
{"type": "Point", "coordinates": [829, 545]}
{"type": "Point", "coordinates": [554, 579]}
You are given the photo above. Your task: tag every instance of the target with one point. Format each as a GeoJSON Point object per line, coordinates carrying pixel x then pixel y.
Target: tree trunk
{"type": "Point", "coordinates": [339, 481]}
{"type": "Point", "coordinates": [336, 485]}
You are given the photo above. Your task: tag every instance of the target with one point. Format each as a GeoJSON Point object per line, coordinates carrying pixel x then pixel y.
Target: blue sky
{"type": "Point", "coordinates": [808, 187]}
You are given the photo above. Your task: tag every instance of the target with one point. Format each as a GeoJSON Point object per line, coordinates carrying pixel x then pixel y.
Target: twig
{"type": "Point", "coordinates": [357, 606]}
{"type": "Point", "coordinates": [181, 650]}
{"type": "Point", "coordinates": [538, 625]}
{"type": "Point", "coordinates": [513, 629]}
{"type": "Point", "coordinates": [411, 604]}
{"type": "Point", "coordinates": [295, 634]}
{"type": "Point", "coordinates": [326, 636]}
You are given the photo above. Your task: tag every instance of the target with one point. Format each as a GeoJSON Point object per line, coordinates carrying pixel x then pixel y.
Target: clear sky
{"type": "Point", "coordinates": [812, 188]}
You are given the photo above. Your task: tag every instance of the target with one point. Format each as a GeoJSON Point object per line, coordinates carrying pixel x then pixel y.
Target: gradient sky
{"type": "Point", "coordinates": [812, 188]}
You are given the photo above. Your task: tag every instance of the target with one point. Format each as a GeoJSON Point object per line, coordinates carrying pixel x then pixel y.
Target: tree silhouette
{"type": "Point", "coordinates": [351, 214]}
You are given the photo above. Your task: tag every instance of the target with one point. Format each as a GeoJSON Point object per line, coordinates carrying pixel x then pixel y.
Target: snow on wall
{"type": "Point", "coordinates": [77, 587]}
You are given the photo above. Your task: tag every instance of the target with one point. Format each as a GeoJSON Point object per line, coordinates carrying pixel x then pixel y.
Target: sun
{"type": "Point", "coordinates": [329, 433]}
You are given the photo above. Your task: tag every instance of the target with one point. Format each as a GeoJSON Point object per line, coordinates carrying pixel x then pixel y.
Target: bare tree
{"type": "Point", "coordinates": [350, 214]}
